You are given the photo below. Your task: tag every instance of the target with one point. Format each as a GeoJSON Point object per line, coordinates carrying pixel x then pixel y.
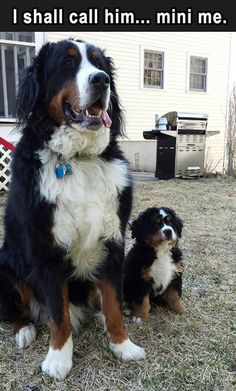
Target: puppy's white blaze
{"type": "Point", "coordinates": [58, 362]}
{"type": "Point", "coordinates": [127, 351]}
{"type": "Point", "coordinates": [86, 69]}
{"type": "Point", "coordinates": [25, 336]}
{"type": "Point", "coordinates": [163, 268]}
{"type": "Point", "coordinates": [163, 213]}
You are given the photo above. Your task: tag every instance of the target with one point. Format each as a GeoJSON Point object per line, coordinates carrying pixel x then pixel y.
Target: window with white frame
{"type": "Point", "coordinates": [17, 51]}
{"type": "Point", "coordinates": [153, 71]}
{"type": "Point", "coordinates": [198, 74]}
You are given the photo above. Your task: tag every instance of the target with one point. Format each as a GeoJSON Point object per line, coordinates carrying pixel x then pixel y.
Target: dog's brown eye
{"type": "Point", "coordinates": [69, 62]}
{"type": "Point", "coordinates": [158, 220]}
{"type": "Point", "coordinates": [168, 218]}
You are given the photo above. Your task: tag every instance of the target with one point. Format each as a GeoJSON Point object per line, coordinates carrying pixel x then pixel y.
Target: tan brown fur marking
{"type": "Point", "coordinates": [26, 295]}
{"type": "Point", "coordinates": [95, 55]}
{"type": "Point", "coordinates": [154, 240]}
{"type": "Point", "coordinates": [73, 52]}
{"type": "Point", "coordinates": [145, 274]}
{"type": "Point", "coordinates": [142, 310]}
{"type": "Point", "coordinates": [60, 334]}
{"type": "Point", "coordinates": [111, 309]}
{"type": "Point", "coordinates": [179, 268]}
{"type": "Point", "coordinates": [69, 93]}
{"type": "Point", "coordinates": [171, 296]}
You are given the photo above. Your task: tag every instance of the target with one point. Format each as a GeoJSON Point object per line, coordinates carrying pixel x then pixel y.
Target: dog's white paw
{"type": "Point", "coordinates": [126, 311]}
{"type": "Point", "coordinates": [25, 336]}
{"type": "Point", "coordinates": [58, 362]}
{"type": "Point", "coordinates": [137, 320]}
{"type": "Point", "coordinates": [127, 351]}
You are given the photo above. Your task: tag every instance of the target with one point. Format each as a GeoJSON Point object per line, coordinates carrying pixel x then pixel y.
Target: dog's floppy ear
{"type": "Point", "coordinates": [29, 87]}
{"type": "Point", "coordinates": [27, 94]}
{"type": "Point", "coordinates": [115, 110]}
{"type": "Point", "coordinates": [135, 228]}
{"type": "Point", "coordinates": [179, 226]}
{"type": "Point", "coordinates": [177, 221]}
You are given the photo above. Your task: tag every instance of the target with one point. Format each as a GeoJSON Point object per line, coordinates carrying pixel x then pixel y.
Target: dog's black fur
{"type": "Point", "coordinates": [31, 261]}
{"type": "Point", "coordinates": [150, 247]}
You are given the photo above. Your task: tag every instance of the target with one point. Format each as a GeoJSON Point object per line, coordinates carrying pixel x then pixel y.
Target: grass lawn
{"type": "Point", "coordinates": [195, 351]}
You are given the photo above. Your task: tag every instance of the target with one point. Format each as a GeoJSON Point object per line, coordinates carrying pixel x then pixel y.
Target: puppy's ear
{"type": "Point", "coordinates": [178, 222]}
{"type": "Point", "coordinates": [134, 229]}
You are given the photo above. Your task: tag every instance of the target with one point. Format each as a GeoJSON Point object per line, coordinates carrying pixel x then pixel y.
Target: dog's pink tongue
{"type": "Point", "coordinates": [106, 119]}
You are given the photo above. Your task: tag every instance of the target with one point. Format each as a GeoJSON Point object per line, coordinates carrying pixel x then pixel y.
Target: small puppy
{"type": "Point", "coordinates": [153, 266]}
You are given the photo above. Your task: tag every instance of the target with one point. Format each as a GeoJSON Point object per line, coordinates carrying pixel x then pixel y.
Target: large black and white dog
{"type": "Point", "coordinates": [69, 203]}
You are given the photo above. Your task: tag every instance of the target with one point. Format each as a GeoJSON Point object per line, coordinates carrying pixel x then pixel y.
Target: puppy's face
{"type": "Point", "coordinates": [157, 225]}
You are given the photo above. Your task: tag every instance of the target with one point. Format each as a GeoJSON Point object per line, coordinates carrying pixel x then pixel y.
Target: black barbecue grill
{"type": "Point", "coordinates": [181, 138]}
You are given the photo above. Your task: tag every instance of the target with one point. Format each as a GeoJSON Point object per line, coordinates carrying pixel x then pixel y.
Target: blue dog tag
{"type": "Point", "coordinates": [68, 169]}
{"type": "Point", "coordinates": [60, 170]}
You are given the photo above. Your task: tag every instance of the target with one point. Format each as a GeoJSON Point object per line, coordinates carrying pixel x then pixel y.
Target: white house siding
{"type": "Point", "coordinates": [141, 104]}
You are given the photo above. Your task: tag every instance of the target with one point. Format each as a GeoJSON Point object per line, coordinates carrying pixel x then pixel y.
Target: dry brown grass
{"type": "Point", "coordinates": [195, 351]}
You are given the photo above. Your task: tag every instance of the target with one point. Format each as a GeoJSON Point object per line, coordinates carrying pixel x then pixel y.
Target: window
{"type": "Point", "coordinates": [153, 69]}
{"type": "Point", "coordinates": [17, 50]}
{"type": "Point", "coordinates": [198, 74]}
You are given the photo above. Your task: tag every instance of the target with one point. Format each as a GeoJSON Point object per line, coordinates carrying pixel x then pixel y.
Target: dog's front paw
{"type": "Point", "coordinates": [58, 362]}
{"type": "Point", "coordinates": [127, 351]}
{"type": "Point", "coordinates": [25, 336]}
{"type": "Point", "coordinates": [57, 367]}
{"type": "Point", "coordinates": [137, 320]}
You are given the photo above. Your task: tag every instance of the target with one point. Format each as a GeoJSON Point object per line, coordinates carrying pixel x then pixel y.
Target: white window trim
{"type": "Point", "coordinates": [199, 55]}
{"type": "Point", "coordinates": [40, 39]}
{"type": "Point", "coordinates": [155, 49]}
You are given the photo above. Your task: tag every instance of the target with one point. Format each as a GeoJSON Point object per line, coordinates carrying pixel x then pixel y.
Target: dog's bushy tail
{"type": "Point", "coordinates": [10, 300]}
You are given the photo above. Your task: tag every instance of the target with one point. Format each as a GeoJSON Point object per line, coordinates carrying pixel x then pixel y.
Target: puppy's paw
{"type": "Point", "coordinates": [127, 351]}
{"type": "Point", "coordinates": [25, 336]}
{"type": "Point", "coordinates": [137, 320]}
{"type": "Point", "coordinates": [126, 311]}
{"type": "Point", "coordinates": [177, 307]}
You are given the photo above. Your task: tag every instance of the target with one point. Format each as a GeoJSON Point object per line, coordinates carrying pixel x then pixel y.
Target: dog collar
{"type": "Point", "coordinates": [62, 167]}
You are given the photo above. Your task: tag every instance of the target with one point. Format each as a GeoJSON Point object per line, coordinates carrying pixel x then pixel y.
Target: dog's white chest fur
{"type": "Point", "coordinates": [162, 269]}
{"type": "Point", "coordinates": [86, 207]}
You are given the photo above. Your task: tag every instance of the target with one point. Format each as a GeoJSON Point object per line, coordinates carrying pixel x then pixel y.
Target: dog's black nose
{"type": "Point", "coordinates": [100, 80]}
{"type": "Point", "coordinates": [168, 233]}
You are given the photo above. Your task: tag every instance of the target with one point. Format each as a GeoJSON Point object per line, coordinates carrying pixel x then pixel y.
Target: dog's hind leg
{"type": "Point", "coordinates": [15, 306]}
{"type": "Point", "coordinates": [141, 311]}
{"type": "Point", "coordinates": [173, 299]}
{"type": "Point", "coordinates": [25, 330]}
{"type": "Point", "coordinates": [173, 294]}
